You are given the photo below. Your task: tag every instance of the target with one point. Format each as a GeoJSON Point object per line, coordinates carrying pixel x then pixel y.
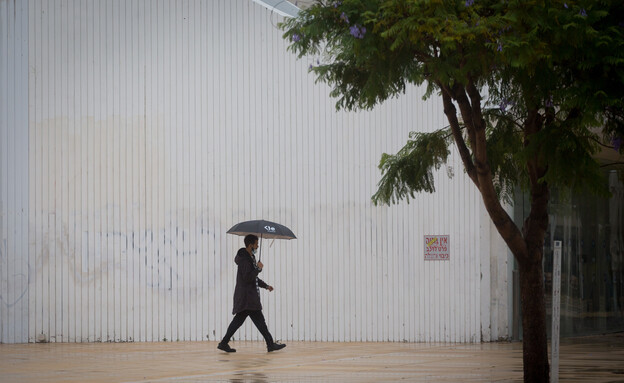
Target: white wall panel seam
{"type": "Point", "coordinates": [4, 174]}
{"type": "Point", "coordinates": [14, 159]}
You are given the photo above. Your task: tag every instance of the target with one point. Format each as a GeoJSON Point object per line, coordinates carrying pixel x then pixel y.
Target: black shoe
{"type": "Point", "coordinates": [275, 347]}
{"type": "Point", "coordinates": [226, 347]}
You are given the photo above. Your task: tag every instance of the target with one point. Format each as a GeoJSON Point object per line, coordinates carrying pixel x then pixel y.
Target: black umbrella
{"type": "Point", "coordinates": [263, 229]}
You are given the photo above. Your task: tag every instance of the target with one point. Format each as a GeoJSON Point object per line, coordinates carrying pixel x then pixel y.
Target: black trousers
{"type": "Point", "coordinates": [256, 317]}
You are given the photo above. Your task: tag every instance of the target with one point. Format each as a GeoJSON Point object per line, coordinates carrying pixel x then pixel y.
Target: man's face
{"type": "Point", "coordinates": [254, 246]}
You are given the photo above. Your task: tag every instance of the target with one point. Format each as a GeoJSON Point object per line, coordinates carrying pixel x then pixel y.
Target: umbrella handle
{"type": "Point", "coordinates": [260, 255]}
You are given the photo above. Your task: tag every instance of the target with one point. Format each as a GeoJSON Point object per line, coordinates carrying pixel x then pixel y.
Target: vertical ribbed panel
{"type": "Point", "coordinates": [14, 173]}
{"type": "Point", "coordinates": [154, 126]}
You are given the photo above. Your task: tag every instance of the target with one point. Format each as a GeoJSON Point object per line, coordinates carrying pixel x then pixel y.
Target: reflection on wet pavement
{"type": "Point", "coordinates": [595, 359]}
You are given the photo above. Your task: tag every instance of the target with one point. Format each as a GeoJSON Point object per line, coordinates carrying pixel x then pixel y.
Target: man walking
{"type": "Point", "coordinates": [247, 296]}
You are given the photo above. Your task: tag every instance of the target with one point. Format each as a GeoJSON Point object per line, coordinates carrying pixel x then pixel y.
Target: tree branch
{"type": "Point", "coordinates": [505, 116]}
{"type": "Point", "coordinates": [475, 101]}
{"type": "Point", "coordinates": [532, 125]}
{"type": "Point", "coordinates": [473, 118]}
{"type": "Point", "coordinates": [612, 163]}
{"type": "Point", "coordinates": [464, 152]}
{"type": "Point", "coordinates": [458, 94]}
{"type": "Point", "coordinates": [574, 113]}
{"type": "Point", "coordinates": [537, 221]}
{"type": "Point", "coordinates": [599, 143]}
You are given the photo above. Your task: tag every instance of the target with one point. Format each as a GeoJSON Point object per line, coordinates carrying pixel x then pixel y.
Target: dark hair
{"type": "Point", "coordinates": [250, 239]}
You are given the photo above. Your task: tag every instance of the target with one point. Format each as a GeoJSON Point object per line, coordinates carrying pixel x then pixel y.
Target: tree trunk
{"type": "Point", "coordinates": [527, 246]}
{"type": "Point", "coordinates": [534, 344]}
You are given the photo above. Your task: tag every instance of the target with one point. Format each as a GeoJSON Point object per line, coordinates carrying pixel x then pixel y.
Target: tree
{"type": "Point", "coordinates": [539, 89]}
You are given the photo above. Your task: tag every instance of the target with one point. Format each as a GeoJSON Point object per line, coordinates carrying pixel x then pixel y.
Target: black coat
{"type": "Point", "coordinates": [247, 292]}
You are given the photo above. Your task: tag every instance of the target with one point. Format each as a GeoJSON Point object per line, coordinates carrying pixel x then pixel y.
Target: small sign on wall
{"type": "Point", "coordinates": [437, 248]}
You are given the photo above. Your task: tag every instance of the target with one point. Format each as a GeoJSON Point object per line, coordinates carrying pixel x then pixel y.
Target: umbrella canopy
{"type": "Point", "coordinates": [263, 229]}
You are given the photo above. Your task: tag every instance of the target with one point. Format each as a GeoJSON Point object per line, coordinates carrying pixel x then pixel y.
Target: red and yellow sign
{"type": "Point", "coordinates": [437, 248]}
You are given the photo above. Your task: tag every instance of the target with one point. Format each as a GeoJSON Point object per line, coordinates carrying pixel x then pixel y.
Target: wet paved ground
{"type": "Point", "coordinates": [587, 359]}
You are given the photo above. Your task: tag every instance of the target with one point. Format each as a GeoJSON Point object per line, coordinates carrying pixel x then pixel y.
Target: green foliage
{"type": "Point", "coordinates": [549, 73]}
{"type": "Point", "coordinates": [363, 72]}
{"type": "Point", "coordinates": [569, 157]}
{"type": "Point", "coordinates": [504, 148]}
{"type": "Point", "coordinates": [411, 169]}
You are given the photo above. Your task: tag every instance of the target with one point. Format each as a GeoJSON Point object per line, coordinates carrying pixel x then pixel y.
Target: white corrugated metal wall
{"type": "Point", "coordinates": [153, 126]}
{"type": "Point", "coordinates": [14, 163]}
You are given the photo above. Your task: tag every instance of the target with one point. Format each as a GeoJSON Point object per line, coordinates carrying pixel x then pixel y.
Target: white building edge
{"type": "Point", "coordinates": [133, 134]}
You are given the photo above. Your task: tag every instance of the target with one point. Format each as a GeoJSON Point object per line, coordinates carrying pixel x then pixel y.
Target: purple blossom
{"type": "Point", "coordinates": [344, 17]}
{"type": "Point", "coordinates": [357, 31]}
{"type": "Point", "coordinates": [583, 13]}
{"type": "Point", "coordinates": [617, 143]}
{"type": "Point", "coordinates": [504, 104]}
{"type": "Point", "coordinates": [506, 29]}
{"type": "Point", "coordinates": [500, 47]}
{"type": "Point", "coordinates": [469, 3]}
{"type": "Point", "coordinates": [310, 67]}
{"type": "Point", "coordinates": [549, 102]}
{"type": "Point", "coordinates": [565, 5]}
{"type": "Point", "coordinates": [295, 37]}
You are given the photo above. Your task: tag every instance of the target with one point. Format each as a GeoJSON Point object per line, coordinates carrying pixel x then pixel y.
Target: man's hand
{"type": "Point", "coordinates": [270, 288]}
{"type": "Point", "coordinates": [260, 265]}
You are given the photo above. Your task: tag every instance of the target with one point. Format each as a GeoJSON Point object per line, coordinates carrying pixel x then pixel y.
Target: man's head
{"type": "Point", "coordinates": [251, 240]}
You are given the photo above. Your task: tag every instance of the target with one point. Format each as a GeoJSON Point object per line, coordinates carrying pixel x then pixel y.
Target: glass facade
{"type": "Point", "coordinates": [591, 230]}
